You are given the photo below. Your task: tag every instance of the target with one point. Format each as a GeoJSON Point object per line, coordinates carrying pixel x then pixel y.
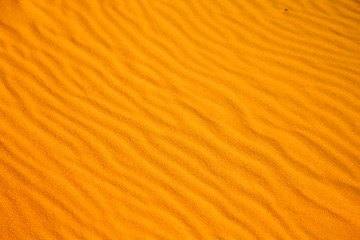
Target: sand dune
{"type": "Point", "coordinates": [179, 119]}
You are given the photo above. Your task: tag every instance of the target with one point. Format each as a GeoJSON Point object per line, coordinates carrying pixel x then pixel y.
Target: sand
{"type": "Point", "coordinates": [186, 119]}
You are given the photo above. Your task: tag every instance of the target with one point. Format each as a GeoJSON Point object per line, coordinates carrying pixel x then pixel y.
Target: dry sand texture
{"type": "Point", "coordinates": [179, 119]}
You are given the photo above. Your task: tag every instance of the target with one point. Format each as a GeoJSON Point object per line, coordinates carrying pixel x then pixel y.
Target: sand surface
{"type": "Point", "coordinates": [179, 119]}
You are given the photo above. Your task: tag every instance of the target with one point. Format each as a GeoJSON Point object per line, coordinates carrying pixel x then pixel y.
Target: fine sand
{"type": "Point", "coordinates": [179, 119]}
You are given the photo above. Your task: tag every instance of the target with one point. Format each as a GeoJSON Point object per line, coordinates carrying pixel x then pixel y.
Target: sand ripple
{"type": "Point", "coordinates": [180, 119]}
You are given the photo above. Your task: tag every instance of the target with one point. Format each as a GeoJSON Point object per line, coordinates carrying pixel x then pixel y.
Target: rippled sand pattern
{"type": "Point", "coordinates": [179, 119]}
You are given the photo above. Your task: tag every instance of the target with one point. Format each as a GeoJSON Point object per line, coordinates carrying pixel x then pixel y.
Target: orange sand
{"type": "Point", "coordinates": [179, 119]}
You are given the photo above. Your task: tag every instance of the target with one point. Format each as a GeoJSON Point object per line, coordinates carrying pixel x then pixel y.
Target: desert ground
{"type": "Point", "coordinates": [179, 119]}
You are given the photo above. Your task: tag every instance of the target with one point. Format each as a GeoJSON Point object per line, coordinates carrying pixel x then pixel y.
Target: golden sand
{"type": "Point", "coordinates": [179, 119]}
